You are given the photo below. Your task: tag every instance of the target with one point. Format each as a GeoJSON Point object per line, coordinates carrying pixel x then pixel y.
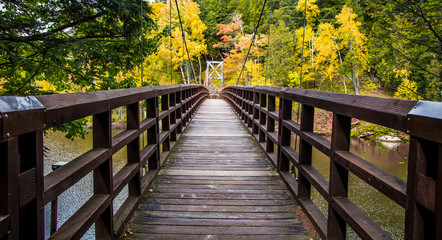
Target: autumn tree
{"type": "Point", "coordinates": [171, 45]}
{"type": "Point", "coordinates": [70, 45]}
{"type": "Point", "coordinates": [236, 42]}
{"type": "Point", "coordinates": [281, 62]}
{"type": "Point", "coordinates": [305, 36]}
{"type": "Point", "coordinates": [407, 36]}
{"type": "Point", "coordinates": [328, 57]}
{"type": "Point", "coordinates": [352, 45]}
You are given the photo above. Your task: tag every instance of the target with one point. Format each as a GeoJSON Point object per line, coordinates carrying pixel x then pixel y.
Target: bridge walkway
{"type": "Point", "coordinates": [217, 184]}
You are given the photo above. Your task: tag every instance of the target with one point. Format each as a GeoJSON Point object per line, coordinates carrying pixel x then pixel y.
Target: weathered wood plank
{"type": "Point", "coordinates": [149, 236]}
{"type": "Point", "coordinates": [220, 222]}
{"type": "Point", "coordinates": [217, 184]}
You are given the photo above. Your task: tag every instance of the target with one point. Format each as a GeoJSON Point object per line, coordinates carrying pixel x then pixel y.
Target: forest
{"type": "Point", "coordinates": [383, 48]}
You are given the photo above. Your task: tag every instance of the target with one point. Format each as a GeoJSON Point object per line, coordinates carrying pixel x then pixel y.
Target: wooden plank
{"type": "Point", "coordinates": [291, 154]}
{"type": "Point", "coordinates": [200, 185]}
{"type": "Point", "coordinates": [315, 215]}
{"type": "Point", "coordinates": [316, 179]}
{"type": "Point", "coordinates": [292, 126]}
{"type": "Point", "coordinates": [218, 215]}
{"type": "Point", "coordinates": [122, 177]}
{"type": "Point", "coordinates": [59, 181]}
{"type": "Point", "coordinates": [217, 181]}
{"type": "Point", "coordinates": [364, 226]}
{"type": "Point", "coordinates": [219, 208]}
{"type": "Point", "coordinates": [384, 111]}
{"type": "Point", "coordinates": [237, 196]}
{"type": "Point", "coordinates": [318, 142]}
{"type": "Point", "coordinates": [122, 139]}
{"type": "Point", "coordinates": [385, 182]}
{"type": "Point", "coordinates": [218, 222]}
{"type": "Point", "coordinates": [124, 213]}
{"type": "Point", "coordinates": [165, 229]}
{"type": "Point", "coordinates": [81, 221]}
{"type": "Point", "coordinates": [233, 173]}
{"type": "Point", "coordinates": [177, 189]}
{"type": "Point", "coordinates": [221, 178]}
{"type": "Point", "coordinates": [148, 236]}
{"type": "Point", "coordinates": [27, 187]}
{"type": "Point", "coordinates": [220, 202]}
{"type": "Point", "coordinates": [4, 225]}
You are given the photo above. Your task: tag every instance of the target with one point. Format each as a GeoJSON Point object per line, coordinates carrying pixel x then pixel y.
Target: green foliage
{"type": "Point", "coordinates": [70, 44]}
{"type": "Point", "coordinates": [407, 35]}
{"type": "Point", "coordinates": [214, 12]}
{"type": "Point", "coordinates": [281, 60]}
{"type": "Point", "coordinates": [73, 129]}
{"type": "Point", "coordinates": [365, 128]}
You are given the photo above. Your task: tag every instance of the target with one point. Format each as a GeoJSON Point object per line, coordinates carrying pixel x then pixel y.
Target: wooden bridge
{"type": "Point", "coordinates": [211, 179]}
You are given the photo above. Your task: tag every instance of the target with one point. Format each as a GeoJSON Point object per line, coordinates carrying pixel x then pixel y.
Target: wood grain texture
{"type": "Point", "coordinates": [217, 184]}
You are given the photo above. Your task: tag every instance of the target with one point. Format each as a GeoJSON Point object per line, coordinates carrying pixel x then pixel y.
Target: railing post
{"type": "Point", "coordinates": [262, 116]}
{"type": "Point", "coordinates": [423, 218]}
{"type": "Point", "coordinates": [153, 133]}
{"type": "Point", "coordinates": [165, 126]}
{"type": "Point", "coordinates": [255, 129]}
{"type": "Point", "coordinates": [173, 116]}
{"type": "Point", "coordinates": [133, 148]}
{"type": "Point", "coordinates": [285, 113]}
{"type": "Point", "coordinates": [243, 106]}
{"type": "Point", "coordinates": [305, 150]}
{"type": "Point", "coordinates": [9, 192]}
{"type": "Point", "coordinates": [250, 93]}
{"type": "Point", "coordinates": [103, 175]}
{"type": "Point", "coordinates": [270, 147]}
{"type": "Point", "coordinates": [178, 112]}
{"type": "Point", "coordinates": [185, 107]}
{"type": "Point", "coordinates": [338, 175]}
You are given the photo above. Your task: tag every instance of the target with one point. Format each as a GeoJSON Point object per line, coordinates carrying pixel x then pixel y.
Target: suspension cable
{"type": "Point", "coordinates": [302, 62]}
{"type": "Point", "coordinates": [142, 38]}
{"type": "Point", "coordinates": [302, 44]}
{"type": "Point", "coordinates": [184, 40]}
{"type": "Point", "coordinates": [170, 41]}
{"type": "Point", "coordinates": [268, 47]}
{"type": "Point", "coordinates": [142, 60]}
{"type": "Point", "coordinates": [253, 40]}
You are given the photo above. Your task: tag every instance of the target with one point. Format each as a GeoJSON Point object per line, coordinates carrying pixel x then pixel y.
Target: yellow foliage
{"type": "Point", "coordinates": [408, 89]}
{"type": "Point", "coordinates": [171, 49]}
{"type": "Point", "coordinates": [327, 60]}
{"type": "Point", "coordinates": [45, 86]}
{"type": "Point", "coordinates": [312, 10]}
{"type": "Point", "coordinates": [350, 36]}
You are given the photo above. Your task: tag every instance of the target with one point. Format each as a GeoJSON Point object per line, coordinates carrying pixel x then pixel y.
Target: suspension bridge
{"type": "Point", "coordinates": [214, 168]}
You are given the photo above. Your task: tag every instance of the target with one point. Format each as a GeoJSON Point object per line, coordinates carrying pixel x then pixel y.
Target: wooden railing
{"type": "Point", "coordinates": [24, 190]}
{"type": "Point", "coordinates": [420, 196]}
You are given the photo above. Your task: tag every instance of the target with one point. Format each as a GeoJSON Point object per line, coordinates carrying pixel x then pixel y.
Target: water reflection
{"type": "Point", "coordinates": [391, 157]}
{"type": "Point", "coordinates": [60, 149]}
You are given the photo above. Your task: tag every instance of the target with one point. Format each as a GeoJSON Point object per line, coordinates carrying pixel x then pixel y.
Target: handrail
{"type": "Point", "coordinates": [25, 190]}
{"type": "Point", "coordinates": [420, 196]}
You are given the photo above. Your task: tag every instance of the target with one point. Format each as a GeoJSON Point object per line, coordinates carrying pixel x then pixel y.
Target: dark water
{"type": "Point", "coordinates": [391, 157]}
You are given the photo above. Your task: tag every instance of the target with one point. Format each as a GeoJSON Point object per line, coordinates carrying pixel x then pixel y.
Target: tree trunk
{"type": "Point", "coordinates": [182, 74]}
{"type": "Point", "coordinates": [199, 61]}
{"type": "Point", "coordinates": [188, 73]}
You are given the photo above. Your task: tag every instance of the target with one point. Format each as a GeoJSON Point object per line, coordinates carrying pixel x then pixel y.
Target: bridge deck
{"type": "Point", "coordinates": [217, 184]}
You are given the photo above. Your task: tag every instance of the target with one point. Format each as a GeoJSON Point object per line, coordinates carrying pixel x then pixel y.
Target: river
{"type": "Point", "coordinates": [391, 157]}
